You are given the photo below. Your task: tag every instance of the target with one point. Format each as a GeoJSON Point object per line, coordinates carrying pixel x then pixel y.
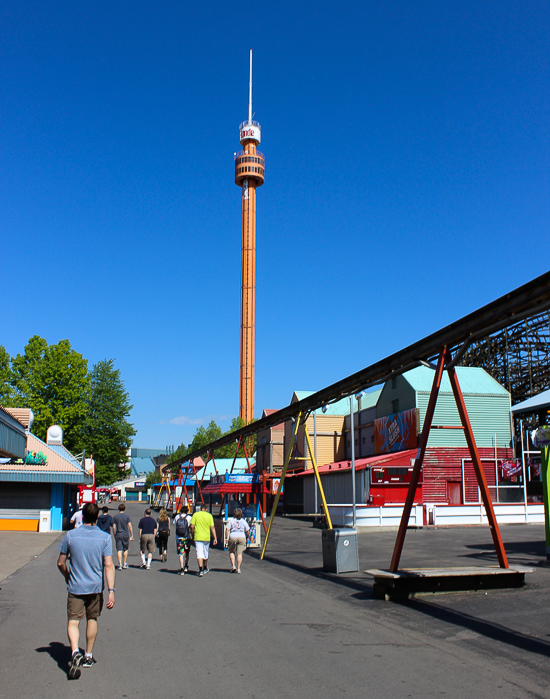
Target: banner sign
{"type": "Point", "coordinates": [240, 478]}
{"type": "Point", "coordinates": [511, 468]}
{"type": "Point", "coordinates": [396, 432]}
{"type": "Point", "coordinates": [139, 484]}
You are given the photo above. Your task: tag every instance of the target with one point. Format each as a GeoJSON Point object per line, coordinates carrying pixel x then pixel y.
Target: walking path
{"type": "Point", "coordinates": [284, 628]}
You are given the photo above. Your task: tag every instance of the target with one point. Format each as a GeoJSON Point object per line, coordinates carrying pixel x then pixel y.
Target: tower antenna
{"type": "Point", "coordinates": [250, 91]}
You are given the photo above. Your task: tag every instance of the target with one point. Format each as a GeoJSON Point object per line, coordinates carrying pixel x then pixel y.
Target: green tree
{"type": "Point", "coordinates": [206, 435]}
{"type": "Point", "coordinates": [151, 478]}
{"type": "Point", "coordinates": [6, 379]}
{"type": "Point", "coordinates": [106, 432]}
{"type": "Point", "coordinates": [53, 381]}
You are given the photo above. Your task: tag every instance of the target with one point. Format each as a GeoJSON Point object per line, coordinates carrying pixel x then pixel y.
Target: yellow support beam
{"type": "Point", "coordinates": [283, 474]}
{"type": "Point", "coordinates": [318, 478]}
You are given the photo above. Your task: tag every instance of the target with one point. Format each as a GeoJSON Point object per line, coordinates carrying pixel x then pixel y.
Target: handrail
{"type": "Point", "coordinates": [242, 152]}
{"type": "Point", "coordinates": [249, 123]}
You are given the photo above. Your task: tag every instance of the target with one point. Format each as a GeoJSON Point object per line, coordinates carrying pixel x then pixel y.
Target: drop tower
{"type": "Point", "coordinates": [249, 174]}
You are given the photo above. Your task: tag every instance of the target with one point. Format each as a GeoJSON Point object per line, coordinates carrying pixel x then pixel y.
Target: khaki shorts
{"type": "Point", "coordinates": [237, 545]}
{"type": "Point", "coordinates": [77, 604]}
{"type": "Point", "coordinates": [147, 543]}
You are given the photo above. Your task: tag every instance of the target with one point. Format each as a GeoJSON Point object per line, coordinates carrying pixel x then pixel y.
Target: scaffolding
{"type": "Point", "coordinates": [518, 357]}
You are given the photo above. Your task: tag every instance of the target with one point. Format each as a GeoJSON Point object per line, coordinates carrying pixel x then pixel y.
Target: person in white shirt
{"type": "Point", "coordinates": [235, 538]}
{"type": "Point", "coordinates": [76, 519]}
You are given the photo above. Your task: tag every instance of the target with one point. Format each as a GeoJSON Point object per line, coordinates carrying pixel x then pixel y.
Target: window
{"type": "Point", "coordinates": [394, 382]}
{"type": "Point", "coordinates": [395, 405]}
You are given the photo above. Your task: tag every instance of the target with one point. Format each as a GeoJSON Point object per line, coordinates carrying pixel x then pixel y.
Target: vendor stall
{"type": "Point", "coordinates": [242, 490]}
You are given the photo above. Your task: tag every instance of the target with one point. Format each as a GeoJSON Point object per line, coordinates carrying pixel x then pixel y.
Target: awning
{"type": "Point", "coordinates": [13, 439]}
{"type": "Point", "coordinates": [400, 458]}
{"type": "Point", "coordinates": [536, 404]}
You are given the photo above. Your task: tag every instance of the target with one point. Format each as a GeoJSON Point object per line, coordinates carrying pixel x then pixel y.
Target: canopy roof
{"type": "Point", "coordinates": [536, 404]}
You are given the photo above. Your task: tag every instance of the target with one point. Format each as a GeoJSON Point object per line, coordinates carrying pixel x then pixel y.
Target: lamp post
{"type": "Point", "coordinates": [353, 495]}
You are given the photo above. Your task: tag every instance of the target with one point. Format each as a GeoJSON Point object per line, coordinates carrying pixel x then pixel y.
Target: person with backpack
{"type": "Point", "coordinates": [183, 537]}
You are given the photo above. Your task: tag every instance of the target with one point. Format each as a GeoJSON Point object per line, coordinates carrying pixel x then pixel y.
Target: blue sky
{"type": "Point", "coordinates": [407, 184]}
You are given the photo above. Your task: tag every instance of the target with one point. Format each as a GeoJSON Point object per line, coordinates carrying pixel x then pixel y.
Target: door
{"type": "Point", "coordinates": [454, 493]}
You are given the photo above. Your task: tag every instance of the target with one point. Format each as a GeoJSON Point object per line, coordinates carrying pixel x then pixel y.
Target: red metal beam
{"type": "Point", "coordinates": [402, 532]}
{"type": "Point", "coordinates": [478, 468]}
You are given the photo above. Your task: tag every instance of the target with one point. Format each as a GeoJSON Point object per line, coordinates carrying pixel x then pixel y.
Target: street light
{"type": "Point", "coordinates": [353, 495]}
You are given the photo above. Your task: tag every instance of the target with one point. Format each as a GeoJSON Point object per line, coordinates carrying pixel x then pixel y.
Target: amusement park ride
{"type": "Point", "coordinates": [249, 174]}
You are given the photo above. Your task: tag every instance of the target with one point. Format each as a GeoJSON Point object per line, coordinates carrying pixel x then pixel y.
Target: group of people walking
{"type": "Point", "coordinates": [86, 553]}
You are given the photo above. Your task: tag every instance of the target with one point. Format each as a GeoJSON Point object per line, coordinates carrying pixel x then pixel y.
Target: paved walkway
{"type": "Point", "coordinates": [286, 629]}
{"type": "Point", "coordinates": [18, 548]}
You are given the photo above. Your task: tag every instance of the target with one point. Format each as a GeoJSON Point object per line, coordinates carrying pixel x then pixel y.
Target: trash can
{"type": "Point", "coordinates": [340, 552]}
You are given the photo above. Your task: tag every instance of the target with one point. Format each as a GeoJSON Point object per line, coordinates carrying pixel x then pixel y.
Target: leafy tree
{"type": "Point", "coordinates": [206, 435]}
{"type": "Point", "coordinates": [106, 432]}
{"type": "Point", "coordinates": [151, 478]}
{"type": "Point", "coordinates": [6, 378]}
{"type": "Point", "coordinates": [53, 381]}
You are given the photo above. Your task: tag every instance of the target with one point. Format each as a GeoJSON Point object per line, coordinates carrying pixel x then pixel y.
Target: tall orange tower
{"type": "Point", "coordinates": [249, 174]}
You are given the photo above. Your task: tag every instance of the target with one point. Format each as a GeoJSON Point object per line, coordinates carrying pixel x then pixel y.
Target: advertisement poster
{"type": "Point", "coordinates": [396, 432]}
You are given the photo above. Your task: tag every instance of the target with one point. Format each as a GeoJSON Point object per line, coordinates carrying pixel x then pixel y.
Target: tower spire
{"type": "Point", "coordinates": [250, 91]}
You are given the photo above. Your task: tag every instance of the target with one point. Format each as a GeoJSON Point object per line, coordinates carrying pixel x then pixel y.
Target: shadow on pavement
{"type": "Point", "coordinates": [364, 589]}
{"type": "Point", "coordinates": [479, 626]}
{"type": "Point", "coordinates": [59, 652]}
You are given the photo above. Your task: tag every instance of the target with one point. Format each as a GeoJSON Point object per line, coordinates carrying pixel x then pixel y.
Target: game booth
{"type": "Point", "coordinates": [242, 490]}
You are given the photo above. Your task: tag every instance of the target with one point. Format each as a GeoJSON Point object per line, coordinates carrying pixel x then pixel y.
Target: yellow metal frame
{"type": "Point", "coordinates": [165, 484]}
{"type": "Point", "coordinates": [283, 474]}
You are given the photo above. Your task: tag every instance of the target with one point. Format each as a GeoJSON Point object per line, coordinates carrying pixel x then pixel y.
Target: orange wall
{"type": "Point", "coordinates": [19, 525]}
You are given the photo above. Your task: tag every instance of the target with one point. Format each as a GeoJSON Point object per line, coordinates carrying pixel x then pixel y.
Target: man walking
{"type": "Point", "coordinates": [122, 529]}
{"type": "Point", "coordinates": [104, 521]}
{"type": "Point", "coordinates": [147, 530]}
{"type": "Point", "coordinates": [183, 537]}
{"type": "Point", "coordinates": [90, 552]}
{"type": "Point", "coordinates": [202, 527]}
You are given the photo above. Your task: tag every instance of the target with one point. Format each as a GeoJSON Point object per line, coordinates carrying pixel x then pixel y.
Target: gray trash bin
{"type": "Point", "coordinates": [340, 553]}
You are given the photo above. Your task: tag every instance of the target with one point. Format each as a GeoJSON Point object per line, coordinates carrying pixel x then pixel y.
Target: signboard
{"type": "Point", "coordinates": [396, 432]}
{"type": "Point", "coordinates": [139, 484]}
{"type": "Point", "coordinates": [240, 478]}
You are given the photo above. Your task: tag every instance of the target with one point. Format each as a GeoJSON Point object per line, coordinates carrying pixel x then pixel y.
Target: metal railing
{"type": "Point", "coordinates": [241, 153]}
{"type": "Point", "coordinates": [249, 123]}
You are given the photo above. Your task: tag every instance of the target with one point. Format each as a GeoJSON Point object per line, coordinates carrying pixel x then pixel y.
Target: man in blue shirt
{"type": "Point", "coordinates": [90, 551]}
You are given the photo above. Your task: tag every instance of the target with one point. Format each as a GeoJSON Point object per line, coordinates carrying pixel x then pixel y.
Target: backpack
{"type": "Point", "coordinates": [182, 526]}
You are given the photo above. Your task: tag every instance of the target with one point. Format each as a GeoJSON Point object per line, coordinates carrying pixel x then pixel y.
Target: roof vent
{"type": "Point", "coordinates": [55, 435]}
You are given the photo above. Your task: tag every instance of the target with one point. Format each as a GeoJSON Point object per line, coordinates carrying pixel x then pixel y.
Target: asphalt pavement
{"type": "Point", "coordinates": [284, 628]}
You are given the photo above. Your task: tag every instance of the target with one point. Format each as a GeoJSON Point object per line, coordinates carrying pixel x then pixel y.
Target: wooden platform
{"type": "Point", "coordinates": [410, 582]}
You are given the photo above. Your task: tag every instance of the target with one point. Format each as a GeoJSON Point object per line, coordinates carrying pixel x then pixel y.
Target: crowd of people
{"type": "Point", "coordinates": [86, 554]}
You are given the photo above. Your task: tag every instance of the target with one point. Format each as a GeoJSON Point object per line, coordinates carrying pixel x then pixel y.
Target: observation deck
{"type": "Point", "coordinates": [249, 166]}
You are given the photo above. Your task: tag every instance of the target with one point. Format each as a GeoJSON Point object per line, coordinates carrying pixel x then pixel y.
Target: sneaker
{"type": "Point", "coordinates": [143, 565]}
{"type": "Point", "coordinates": [147, 567]}
{"type": "Point", "coordinates": [238, 570]}
{"type": "Point", "coordinates": [76, 662]}
{"type": "Point", "coordinates": [206, 570]}
{"type": "Point", "coordinates": [119, 567]}
{"type": "Point", "coordinates": [89, 661]}
{"type": "Point", "coordinates": [200, 573]}
{"type": "Point", "coordinates": [125, 566]}
{"type": "Point", "coordinates": [233, 570]}
{"type": "Point", "coordinates": [182, 572]}
{"type": "Point", "coordinates": [186, 569]}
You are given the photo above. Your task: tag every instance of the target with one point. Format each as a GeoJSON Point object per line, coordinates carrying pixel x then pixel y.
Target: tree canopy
{"type": "Point", "coordinates": [106, 432]}
{"type": "Point", "coordinates": [209, 434]}
{"type": "Point", "coordinates": [53, 381]}
{"type": "Point", "coordinates": [92, 407]}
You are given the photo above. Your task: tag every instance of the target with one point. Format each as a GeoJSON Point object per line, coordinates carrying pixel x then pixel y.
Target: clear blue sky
{"type": "Point", "coordinates": [407, 184]}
